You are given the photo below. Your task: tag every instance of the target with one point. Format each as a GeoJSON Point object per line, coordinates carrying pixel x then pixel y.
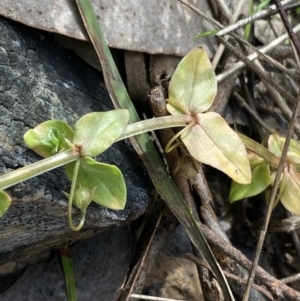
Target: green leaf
{"type": "Point", "coordinates": [212, 142]}
{"type": "Point", "coordinates": [206, 34]}
{"type": "Point", "coordinates": [49, 138]}
{"type": "Point", "coordinates": [193, 85]}
{"type": "Point", "coordinates": [290, 193]}
{"type": "Point", "coordinates": [5, 202]}
{"type": "Point", "coordinates": [95, 132]}
{"type": "Point", "coordinates": [261, 5]}
{"type": "Point", "coordinates": [276, 143]}
{"type": "Point", "coordinates": [294, 171]}
{"type": "Point", "coordinates": [106, 181]}
{"type": "Point", "coordinates": [83, 197]}
{"type": "Point", "coordinates": [260, 181]}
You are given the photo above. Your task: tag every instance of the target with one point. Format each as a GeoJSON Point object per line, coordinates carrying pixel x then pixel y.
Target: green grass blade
{"type": "Point", "coordinates": [144, 146]}
{"type": "Point", "coordinates": [206, 34]}
{"type": "Point", "coordinates": [67, 266]}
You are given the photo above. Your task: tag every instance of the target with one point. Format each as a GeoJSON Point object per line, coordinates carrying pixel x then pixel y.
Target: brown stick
{"type": "Point", "coordinates": [229, 275]}
{"type": "Point", "coordinates": [279, 290]}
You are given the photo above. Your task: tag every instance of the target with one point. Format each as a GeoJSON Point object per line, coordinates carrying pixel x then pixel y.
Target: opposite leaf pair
{"type": "Point", "coordinates": [92, 135]}
{"type": "Point", "coordinates": [208, 139]}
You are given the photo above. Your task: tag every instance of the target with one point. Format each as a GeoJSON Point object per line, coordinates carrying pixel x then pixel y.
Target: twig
{"type": "Point", "coordinates": [227, 30]}
{"type": "Point", "coordinates": [287, 25]}
{"type": "Point", "coordinates": [159, 108]}
{"type": "Point", "coordinates": [243, 104]}
{"type": "Point", "coordinates": [199, 183]}
{"type": "Point", "coordinates": [222, 7]}
{"type": "Point", "coordinates": [279, 290]}
{"type": "Point", "coordinates": [267, 81]}
{"type": "Point", "coordinates": [221, 47]}
{"type": "Point", "coordinates": [254, 55]}
{"type": "Point", "coordinates": [212, 21]}
{"type": "Point", "coordinates": [136, 296]}
{"type": "Point", "coordinates": [259, 15]}
{"type": "Point", "coordinates": [255, 69]}
{"type": "Point", "coordinates": [290, 278]}
{"type": "Point", "coordinates": [229, 275]}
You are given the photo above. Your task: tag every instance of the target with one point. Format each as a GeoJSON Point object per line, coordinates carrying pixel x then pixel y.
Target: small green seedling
{"type": "Point", "coordinates": [206, 136]}
{"type": "Point", "coordinates": [91, 180]}
{"type": "Point", "coordinates": [264, 166]}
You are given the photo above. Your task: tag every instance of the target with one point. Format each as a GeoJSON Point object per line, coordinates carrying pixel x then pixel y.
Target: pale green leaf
{"type": "Point", "coordinates": [290, 196]}
{"type": "Point", "coordinates": [106, 181]}
{"type": "Point", "coordinates": [294, 171]}
{"type": "Point", "coordinates": [5, 202]}
{"type": "Point", "coordinates": [211, 141]}
{"type": "Point", "coordinates": [95, 132]}
{"type": "Point", "coordinates": [260, 181]}
{"type": "Point", "coordinates": [193, 85]}
{"type": "Point", "coordinates": [49, 137]}
{"type": "Point", "coordinates": [254, 159]}
{"type": "Point", "coordinates": [83, 197]}
{"type": "Point", "coordinates": [276, 143]}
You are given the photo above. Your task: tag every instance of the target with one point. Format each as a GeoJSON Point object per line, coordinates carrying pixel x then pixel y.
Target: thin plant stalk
{"type": "Point", "coordinates": [70, 201]}
{"type": "Point", "coordinates": [37, 168]}
{"type": "Point", "coordinates": [60, 159]}
{"type": "Point", "coordinates": [153, 124]}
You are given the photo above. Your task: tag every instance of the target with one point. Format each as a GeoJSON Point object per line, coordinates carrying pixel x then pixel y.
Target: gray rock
{"type": "Point", "coordinates": [157, 27]}
{"type": "Point", "coordinates": [100, 267]}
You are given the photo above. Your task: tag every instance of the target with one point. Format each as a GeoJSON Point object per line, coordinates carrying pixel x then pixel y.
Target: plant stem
{"type": "Point", "coordinates": [169, 147]}
{"type": "Point", "coordinates": [153, 124]}
{"type": "Point", "coordinates": [40, 167]}
{"type": "Point", "coordinates": [35, 169]}
{"type": "Point", "coordinates": [70, 202]}
{"type": "Point", "coordinates": [260, 150]}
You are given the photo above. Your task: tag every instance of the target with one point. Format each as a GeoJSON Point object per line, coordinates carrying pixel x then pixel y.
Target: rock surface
{"type": "Point", "coordinates": [157, 27]}
{"type": "Point", "coordinates": [100, 266]}
{"type": "Point", "coordinates": [40, 80]}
